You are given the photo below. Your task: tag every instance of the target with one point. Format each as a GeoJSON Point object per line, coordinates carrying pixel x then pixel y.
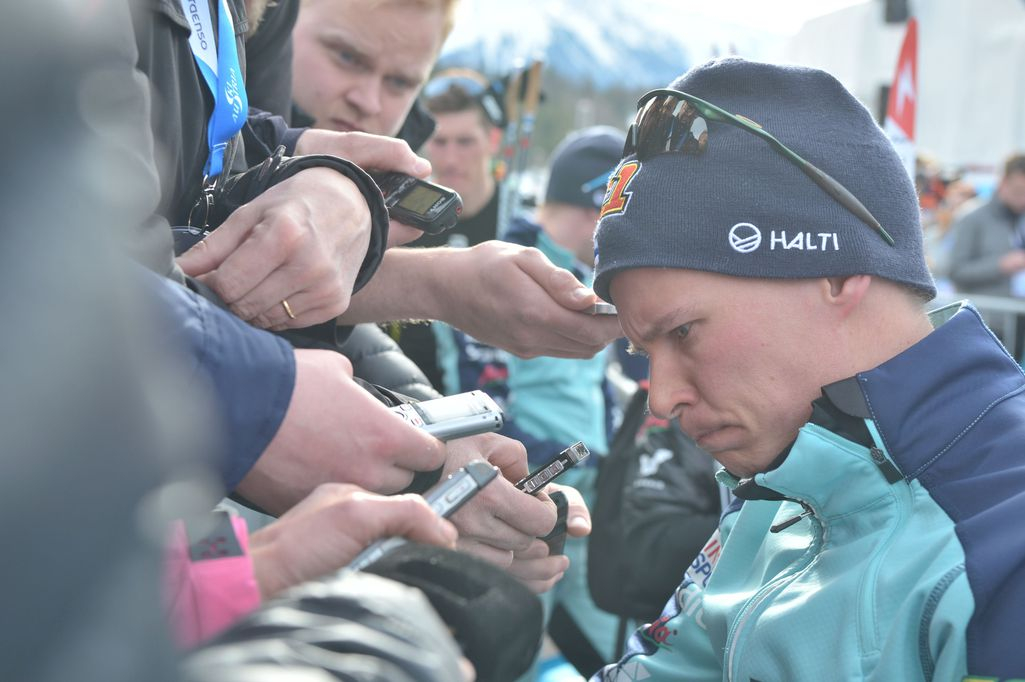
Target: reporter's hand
{"type": "Point", "coordinates": [372, 153]}
{"type": "Point", "coordinates": [334, 431]}
{"type": "Point", "coordinates": [329, 528]}
{"type": "Point", "coordinates": [535, 567]}
{"type": "Point", "coordinates": [578, 516]}
{"type": "Point", "coordinates": [521, 302]}
{"type": "Point", "coordinates": [1013, 261]}
{"type": "Point", "coordinates": [500, 519]}
{"type": "Point", "coordinates": [301, 241]}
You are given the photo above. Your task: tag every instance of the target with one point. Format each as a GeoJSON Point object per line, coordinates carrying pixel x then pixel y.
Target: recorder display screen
{"type": "Point", "coordinates": [420, 200]}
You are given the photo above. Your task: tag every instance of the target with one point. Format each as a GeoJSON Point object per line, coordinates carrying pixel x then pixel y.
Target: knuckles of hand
{"type": "Point", "coordinates": [286, 232]}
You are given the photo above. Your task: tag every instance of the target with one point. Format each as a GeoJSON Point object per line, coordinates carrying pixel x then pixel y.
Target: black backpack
{"type": "Point", "coordinates": [656, 505]}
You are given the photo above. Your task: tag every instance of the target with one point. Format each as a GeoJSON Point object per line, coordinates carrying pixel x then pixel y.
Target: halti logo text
{"type": "Point", "coordinates": [746, 238]}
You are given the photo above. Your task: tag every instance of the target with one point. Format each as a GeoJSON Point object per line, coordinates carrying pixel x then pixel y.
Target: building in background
{"type": "Point", "coordinates": [600, 55]}
{"type": "Point", "coordinates": [971, 70]}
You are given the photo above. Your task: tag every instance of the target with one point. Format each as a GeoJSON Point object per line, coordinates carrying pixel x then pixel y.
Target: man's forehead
{"type": "Point", "coordinates": [464, 122]}
{"type": "Point", "coordinates": [367, 23]}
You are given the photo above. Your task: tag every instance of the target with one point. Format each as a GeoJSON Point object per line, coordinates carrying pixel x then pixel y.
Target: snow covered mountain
{"type": "Point", "coordinates": [633, 43]}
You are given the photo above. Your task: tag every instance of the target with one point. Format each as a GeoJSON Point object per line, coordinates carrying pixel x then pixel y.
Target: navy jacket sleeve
{"type": "Point", "coordinates": [251, 372]}
{"type": "Point", "coordinates": [264, 132]}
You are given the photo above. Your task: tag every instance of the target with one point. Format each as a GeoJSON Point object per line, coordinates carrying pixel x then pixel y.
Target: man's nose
{"type": "Point", "coordinates": [670, 391]}
{"type": "Point", "coordinates": [365, 95]}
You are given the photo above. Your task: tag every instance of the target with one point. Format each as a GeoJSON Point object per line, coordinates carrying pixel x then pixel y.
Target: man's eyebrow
{"type": "Point", "coordinates": [338, 39]}
{"type": "Point", "coordinates": [414, 78]}
{"type": "Point", "coordinates": [662, 324]}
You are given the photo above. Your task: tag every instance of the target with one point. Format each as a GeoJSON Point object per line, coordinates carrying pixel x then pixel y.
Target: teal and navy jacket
{"type": "Point", "coordinates": [888, 543]}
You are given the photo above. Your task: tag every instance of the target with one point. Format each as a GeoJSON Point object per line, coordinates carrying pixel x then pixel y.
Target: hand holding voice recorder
{"type": "Point", "coordinates": [418, 203]}
{"type": "Point", "coordinates": [445, 499]}
{"type": "Point", "coordinates": [602, 308]}
{"type": "Point", "coordinates": [559, 464]}
{"type": "Point", "coordinates": [454, 416]}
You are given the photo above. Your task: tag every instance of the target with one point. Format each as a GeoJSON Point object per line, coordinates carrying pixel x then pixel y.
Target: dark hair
{"type": "Point", "coordinates": [1014, 164]}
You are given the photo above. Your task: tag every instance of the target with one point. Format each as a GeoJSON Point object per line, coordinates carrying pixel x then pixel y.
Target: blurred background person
{"type": "Point", "coordinates": [462, 152]}
{"type": "Point", "coordinates": [988, 253]}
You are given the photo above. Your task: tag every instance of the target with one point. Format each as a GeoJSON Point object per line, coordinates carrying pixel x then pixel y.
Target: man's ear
{"type": "Point", "coordinates": [846, 292]}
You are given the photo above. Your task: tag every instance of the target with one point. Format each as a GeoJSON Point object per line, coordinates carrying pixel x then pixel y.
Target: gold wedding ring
{"type": "Point", "coordinates": [288, 309]}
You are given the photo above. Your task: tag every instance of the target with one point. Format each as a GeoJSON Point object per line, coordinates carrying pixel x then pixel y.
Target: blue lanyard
{"type": "Point", "coordinates": [220, 68]}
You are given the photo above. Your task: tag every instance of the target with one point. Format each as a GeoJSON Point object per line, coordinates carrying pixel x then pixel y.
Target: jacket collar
{"type": "Point", "coordinates": [925, 399]}
{"type": "Point", "coordinates": [918, 403]}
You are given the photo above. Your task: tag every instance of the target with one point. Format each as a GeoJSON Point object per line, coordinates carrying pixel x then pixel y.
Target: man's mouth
{"type": "Point", "coordinates": [342, 125]}
{"type": "Point", "coordinates": [706, 438]}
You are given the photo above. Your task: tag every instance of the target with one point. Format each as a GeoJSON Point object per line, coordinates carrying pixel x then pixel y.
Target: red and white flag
{"type": "Point", "coordinates": [903, 101]}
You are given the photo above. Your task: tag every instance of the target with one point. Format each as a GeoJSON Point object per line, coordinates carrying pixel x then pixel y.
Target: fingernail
{"type": "Point", "coordinates": [582, 293]}
{"type": "Point", "coordinates": [422, 166]}
{"type": "Point", "coordinates": [578, 523]}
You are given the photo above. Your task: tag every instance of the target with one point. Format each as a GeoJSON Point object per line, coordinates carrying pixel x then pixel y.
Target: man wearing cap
{"type": "Point", "coordinates": [762, 244]}
{"type": "Point", "coordinates": [552, 402]}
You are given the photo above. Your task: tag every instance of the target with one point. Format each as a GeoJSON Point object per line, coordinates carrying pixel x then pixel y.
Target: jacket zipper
{"type": "Point", "coordinates": [772, 587]}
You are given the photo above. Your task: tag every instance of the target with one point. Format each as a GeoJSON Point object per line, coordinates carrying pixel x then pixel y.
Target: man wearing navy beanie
{"type": "Point", "coordinates": [761, 241]}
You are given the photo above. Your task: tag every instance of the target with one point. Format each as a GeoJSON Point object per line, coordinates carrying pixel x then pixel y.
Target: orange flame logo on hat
{"type": "Point", "coordinates": [616, 196]}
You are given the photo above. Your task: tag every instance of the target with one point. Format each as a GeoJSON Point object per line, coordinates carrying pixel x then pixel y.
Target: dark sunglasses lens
{"type": "Point", "coordinates": [441, 85]}
{"type": "Point", "coordinates": [668, 124]}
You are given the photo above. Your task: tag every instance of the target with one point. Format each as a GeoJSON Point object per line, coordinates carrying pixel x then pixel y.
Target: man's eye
{"type": "Point", "coordinates": [398, 84]}
{"type": "Point", "coordinates": [682, 331]}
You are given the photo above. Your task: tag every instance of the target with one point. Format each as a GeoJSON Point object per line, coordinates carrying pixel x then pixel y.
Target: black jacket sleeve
{"type": "Point", "coordinates": [376, 358]}
{"type": "Point", "coordinates": [264, 132]}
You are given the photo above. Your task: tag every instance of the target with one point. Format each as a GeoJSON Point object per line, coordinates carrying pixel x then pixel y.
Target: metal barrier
{"type": "Point", "coordinates": [1003, 308]}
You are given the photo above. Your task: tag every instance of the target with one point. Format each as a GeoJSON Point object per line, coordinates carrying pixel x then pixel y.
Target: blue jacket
{"type": "Point", "coordinates": [249, 372]}
{"type": "Point", "coordinates": [899, 559]}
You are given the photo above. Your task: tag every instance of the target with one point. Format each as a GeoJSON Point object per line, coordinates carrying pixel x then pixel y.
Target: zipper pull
{"type": "Point", "coordinates": [890, 471]}
{"type": "Point", "coordinates": [783, 525]}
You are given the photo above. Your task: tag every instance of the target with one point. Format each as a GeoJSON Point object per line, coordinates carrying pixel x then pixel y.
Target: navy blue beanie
{"type": "Point", "coordinates": [581, 165]}
{"type": "Point", "coordinates": [742, 209]}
